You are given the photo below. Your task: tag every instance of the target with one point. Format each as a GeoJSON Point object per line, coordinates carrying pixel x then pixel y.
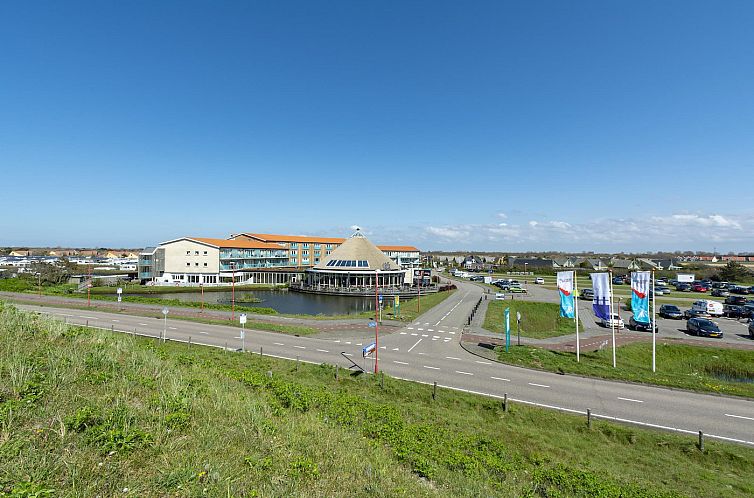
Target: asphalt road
{"type": "Point", "coordinates": [427, 351]}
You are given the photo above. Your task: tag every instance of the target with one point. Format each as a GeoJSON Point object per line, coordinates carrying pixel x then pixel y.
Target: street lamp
{"type": "Point", "coordinates": [165, 324]}
{"type": "Point", "coordinates": [376, 321]}
{"type": "Point", "coordinates": [233, 292]}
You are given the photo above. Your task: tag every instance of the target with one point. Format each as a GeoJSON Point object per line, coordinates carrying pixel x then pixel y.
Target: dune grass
{"type": "Point", "coordinates": [87, 413]}
{"type": "Point", "coordinates": [705, 369]}
{"type": "Point", "coordinates": [538, 320]}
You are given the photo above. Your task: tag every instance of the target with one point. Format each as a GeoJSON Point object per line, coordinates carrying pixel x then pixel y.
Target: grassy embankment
{"type": "Point", "coordinates": [538, 320]}
{"type": "Point", "coordinates": [92, 413]}
{"type": "Point", "coordinates": [687, 367]}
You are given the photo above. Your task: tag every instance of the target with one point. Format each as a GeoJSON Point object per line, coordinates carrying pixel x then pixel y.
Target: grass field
{"type": "Point", "coordinates": [538, 320]}
{"type": "Point", "coordinates": [86, 413]}
{"type": "Point", "coordinates": [688, 367]}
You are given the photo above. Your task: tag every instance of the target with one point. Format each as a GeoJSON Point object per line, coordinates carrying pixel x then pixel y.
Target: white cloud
{"type": "Point", "coordinates": [502, 216]}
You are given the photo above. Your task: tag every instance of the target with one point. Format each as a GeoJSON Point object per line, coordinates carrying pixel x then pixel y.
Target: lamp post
{"type": "Point", "coordinates": [165, 324]}
{"type": "Point", "coordinates": [377, 322]}
{"type": "Point", "coordinates": [233, 291]}
{"type": "Point", "coordinates": [525, 271]}
{"type": "Point", "coordinates": [419, 291]}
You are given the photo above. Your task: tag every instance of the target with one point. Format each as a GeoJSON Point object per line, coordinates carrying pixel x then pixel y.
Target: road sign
{"type": "Point", "coordinates": [242, 318]}
{"type": "Point", "coordinates": [380, 299]}
{"type": "Point", "coordinates": [372, 323]}
{"type": "Point", "coordinates": [518, 316]}
{"type": "Point", "coordinates": [165, 311]}
{"type": "Point", "coordinates": [367, 350]}
{"type": "Point", "coordinates": [120, 290]}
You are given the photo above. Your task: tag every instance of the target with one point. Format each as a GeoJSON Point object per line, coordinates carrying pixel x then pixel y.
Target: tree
{"type": "Point", "coordinates": [733, 271]}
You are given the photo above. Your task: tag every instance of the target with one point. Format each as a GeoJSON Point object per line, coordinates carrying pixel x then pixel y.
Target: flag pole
{"type": "Point", "coordinates": [612, 324]}
{"type": "Point", "coordinates": [652, 324]}
{"type": "Point", "coordinates": [576, 305]}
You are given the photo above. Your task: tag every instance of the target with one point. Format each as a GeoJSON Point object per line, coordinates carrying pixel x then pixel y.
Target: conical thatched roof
{"type": "Point", "coordinates": [357, 254]}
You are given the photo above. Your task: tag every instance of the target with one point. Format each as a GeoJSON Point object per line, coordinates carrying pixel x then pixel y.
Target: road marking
{"type": "Point", "coordinates": [410, 328]}
{"type": "Point", "coordinates": [88, 317]}
{"type": "Point", "coordinates": [421, 353]}
{"type": "Point", "coordinates": [404, 333]}
{"type": "Point", "coordinates": [347, 354]}
{"type": "Point", "coordinates": [632, 400]}
{"type": "Point", "coordinates": [116, 320]}
{"type": "Point", "coordinates": [323, 351]}
{"type": "Point", "coordinates": [431, 368]}
{"type": "Point", "coordinates": [205, 333]}
{"type": "Point", "coordinates": [500, 378]}
{"type": "Point", "coordinates": [348, 342]}
{"type": "Point", "coordinates": [359, 344]}
{"type": "Point", "coordinates": [452, 332]}
{"type": "Point", "coordinates": [337, 340]}
{"type": "Point", "coordinates": [299, 347]}
{"type": "Point", "coordinates": [426, 323]}
{"type": "Point", "coordinates": [414, 334]}
{"type": "Point", "coordinates": [430, 330]}
{"type": "Point", "coordinates": [464, 373]}
{"type": "Point", "coordinates": [63, 314]}
{"type": "Point", "coordinates": [483, 362]}
{"type": "Point", "coordinates": [172, 328]}
{"type": "Point", "coordinates": [538, 385]}
{"type": "Point", "coordinates": [425, 335]}
{"type": "Point", "coordinates": [447, 340]}
{"type": "Point", "coordinates": [143, 324]}
{"type": "Point", "coordinates": [396, 349]}
{"type": "Point", "coordinates": [420, 330]}
{"type": "Point", "coordinates": [278, 344]}
{"type": "Point", "coordinates": [400, 362]}
{"type": "Point", "coordinates": [412, 347]}
{"type": "Point", "coordinates": [453, 358]}
{"type": "Point", "coordinates": [739, 416]}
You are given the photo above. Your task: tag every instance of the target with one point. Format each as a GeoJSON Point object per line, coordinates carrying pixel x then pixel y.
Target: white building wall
{"type": "Point", "coordinates": [185, 256]}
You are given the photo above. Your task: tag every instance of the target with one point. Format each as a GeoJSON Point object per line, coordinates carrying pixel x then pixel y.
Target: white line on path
{"type": "Point", "coordinates": [483, 362]}
{"type": "Point", "coordinates": [116, 320]}
{"type": "Point", "coordinates": [420, 330]}
{"type": "Point", "coordinates": [278, 344]}
{"type": "Point", "coordinates": [414, 334]}
{"type": "Point", "coordinates": [425, 335]}
{"type": "Point", "coordinates": [143, 324]}
{"type": "Point", "coordinates": [300, 347]}
{"type": "Point", "coordinates": [632, 400]}
{"type": "Point", "coordinates": [88, 317]}
{"type": "Point", "coordinates": [430, 330]}
{"type": "Point", "coordinates": [404, 333]}
{"type": "Point", "coordinates": [323, 351]}
{"type": "Point", "coordinates": [500, 378]}
{"type": "Point", "coordinates": [453, 358]}
{"type": "Point", "coordinates": [431, 368]}
{"type": "Point", "coordinates": [347, 354]}
{"type": "Point", "coordinates": [63, 314]}
{"type": "Point", "coordinates": [410, 328]}
{"type": "Point", "coordinates": [172, 328]}
{"type": "Point", "coordinates": [412, 347]}
{"type": "Point", "coordinates": [202, 332]}
{"type": "Point", "coordinates": [400, 362]}
{"type": "Point", "coordinates": [739, 416]}
{"type": "Point", "coordinates": [396, 349]}
{"type": "Point", "coordinates": [464, 373]}
{"type": "Point", "coordinates": [538, 385]}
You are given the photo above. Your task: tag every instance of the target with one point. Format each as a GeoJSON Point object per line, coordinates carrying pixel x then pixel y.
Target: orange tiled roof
{"type": "Point", "coordinates": [398, 248]}
{"type": "Point", "coordinates": [238, 244]}
{"type": "Point", "coordinates": [266, 237]}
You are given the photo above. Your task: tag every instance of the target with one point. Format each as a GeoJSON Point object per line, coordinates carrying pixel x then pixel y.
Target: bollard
{"type": "Point", "coordinates": [226, 348]}
{"type": "Point", "coordinates": [337, 371]}
{"type": "Point", "coordinates": [261, 351]}
{"type": "Point", "coordinates": [505, 402]}
{"type": "Point", "coordinates": [297, 363]}
{"type": "Point", "coordinates": [87, 323]}
{"type": "Point", "coordinates": [382, 379]}
{"type": "Point", "coordinates": [588, 418]}
{"type": "Point", "coordinates": [189, 343]}
{"type": "Point", "coordinates": [701, 441]}
{"type": "Point", "coordinates": [112, 328]}
{"type": "Point", "coordinates": [434, 390]}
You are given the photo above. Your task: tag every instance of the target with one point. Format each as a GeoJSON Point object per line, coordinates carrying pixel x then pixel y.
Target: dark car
{"type": "Point", "coordinates": [619, 280]}
{"type": "Point", "coordinates": [751, 329]}
{"type": "Point", "coordinates": [645, 326]}
{"type": "Point", "coordinates": [683, 287]}
{"type": "Point", "coordinates": [670, 311]}
{"type": "Point", "coordinates": [691, 313]}
{"type": "Point", "coordinates": [703, 327]}
{"type": "Point", "coordinates": [719, 285]}
{"type": "Point", "coordinates": [735, 311]}
{"type": "Point", "coordinates": [587, 293]}
{"type": "Point", "coordinates": [738, 300]}
{"type": "Point", "coordinates": [739, 289]}
{"type": "Point", "coordinates": [720, 292]}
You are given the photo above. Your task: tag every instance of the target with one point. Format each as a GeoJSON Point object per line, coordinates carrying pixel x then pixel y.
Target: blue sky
{"type": "Point", "coordinates": [448, 125]}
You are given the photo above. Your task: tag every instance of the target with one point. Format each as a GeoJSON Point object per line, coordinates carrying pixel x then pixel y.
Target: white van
{"type": "Point", "coordinates": [499, 296]}
{"type": "Point", "coordinates": [712, 308]}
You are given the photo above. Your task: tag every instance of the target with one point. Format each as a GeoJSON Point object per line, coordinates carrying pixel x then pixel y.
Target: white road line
{"type": "Point", "coordinates": [323, 351]}
{"type": "Point", "coordinates": [483, 362]}
{"type": "Point", "coordinates": [435, 337]}
{"type": "Point", "coordinates": [278, 344]}
{"type": "Point", "coordinates": [172, 328]}
{"type": "Point", "coordinates": [116, 320]}
{"type": "Point", "coordinates": [396, 349]}
{"type": "Point", "coordinates": [400, 362]}
{"type": "Point", "coordinates": [452, 332]}
{"type": "Point", "coordinates": [348, 342]}
{"type": "Point", "coordinates": [632, 400]}
{"type": "Point", "coordinates": [410, 328]}
{"type": "Point", "coordinates": [300, 347]}
{"type": "Point", "coordinates": [500, 378]}
{"type": "Point", "coordinates": [88, 317]}
{"type": "Point", "coordinates": [404, 333]}
{"type": "Point", "coordinates": [412, 347]}
{"type": "Point", "coordinates": [431, 368]}
{"type": "Point", "coordinates": [426, 323]}
{"type": "Point", "coordinates": [63, 314]}
{"type": "Point", "coordinates": [420, 330]}
{"type": "Point", "coordinates": [347, 354]}
{"type": "Point", "coordinates": [453, 358]}
{"type": "Point", "coordinates": [430, 330]}
{"type": "Point", "coordinates": [425, 335]}
{"type": "Point", "coordinates": [464, 373]}
{"type": "Point", "coordinates": [739, 416]}
{"type": "Point", "coordinates": [143, 324]}
{"type": "Point", "coordinates": [202, 332]}
{"type": "Point", "coordinates": [538, 385]}
{"type": "Point", "coordinates": [359, 344]}
{"type": "Point", "coordinates": [414, 334]}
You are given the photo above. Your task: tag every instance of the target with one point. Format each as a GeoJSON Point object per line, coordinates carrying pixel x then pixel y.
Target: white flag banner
{"type": "Point", "coordinates": [602, 295]}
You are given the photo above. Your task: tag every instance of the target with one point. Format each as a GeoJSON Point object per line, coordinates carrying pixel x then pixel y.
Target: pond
{"type": "Point", "coordinates": [282, 301]}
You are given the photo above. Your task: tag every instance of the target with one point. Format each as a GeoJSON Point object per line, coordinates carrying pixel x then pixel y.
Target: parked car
{"type": "Point", "coordinates": [661, 290]}
{"type": "Point", "coordinates": [619, 280]}
{"type": "Point", "coordinates": [713, 308]}
{"type": "Point", "coordinates": [587, 294]}
{"type": "Point", "coordinates": [661, 281]}
{"type": "Point", "coordinates": [616, 321]}
{"type": "Point", "coordinates": [703, 327]}
{"type": "Point", "coordinates": [517, 290]}
{"type": "Point", "coordinates": [499, 296]}
{"type": "Point", "coordinates": [751, 329]}
{"type": "Point", "coordinates": [739, 289]}
{"type": "Point", "coordinates": [645, 326]}
{"type": "Point", "coordinates": [539, 280]}
{"type": "Point", "coordinates": [670, 311]}
{"type": "Point", "coordinates": [699, 288]}
{"type": "Point", "coordinates": [719, 285]}
{"type": "Point", "coordinates": [720, 292]}
{"type": "Point", "coordinates": [683, 287]}
{"type": "Point", "coordinates": [751, 289]}
{"type": "Point", "coordinates": [735, 311]}
{"type": "Point", "coordinates": [692, 313]}
{"type": "Point", "coordinates": [739, 300]}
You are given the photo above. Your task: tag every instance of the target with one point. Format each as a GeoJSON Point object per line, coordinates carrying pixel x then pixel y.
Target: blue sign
{"type": "Point", "coordinates": [373, 324]}
{"type": "Point", "coordinates": [368, 349]}
{"type": "Point", "coordinates": [380, 297]}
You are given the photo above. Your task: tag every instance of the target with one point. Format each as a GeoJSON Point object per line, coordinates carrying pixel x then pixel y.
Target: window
{"type": "Point", "coordinates": [188, 264]}
{"type": "Point", "coordinates": [316, 246]}
{"type": "Point", "coordinates": [197, 264]}
{"type": "Point", "coordinates": [305, 253]}
{"type": "Point", "coordinates": [316, 254]}
{"type": "Point", "coordinates": [294, 245]}
{"type": "Point", "coordinates": [205, 265]}
{"type": "Point", "coordinates": [196, 253]}
{"type": "Point", "coordinates": [306, 246]}
{"type": "Point", "coordinates": [205, 253]}
{"type": "Point", "coordinates": [188, 253]}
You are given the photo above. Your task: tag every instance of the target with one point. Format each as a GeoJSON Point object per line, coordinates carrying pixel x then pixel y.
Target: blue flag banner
{"type": "Point", "coordinates": [640, 295]}
{"type": "Point", "coordinates": [601, 301]}
{"type": "Point", "coordinates": [565, 289]}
